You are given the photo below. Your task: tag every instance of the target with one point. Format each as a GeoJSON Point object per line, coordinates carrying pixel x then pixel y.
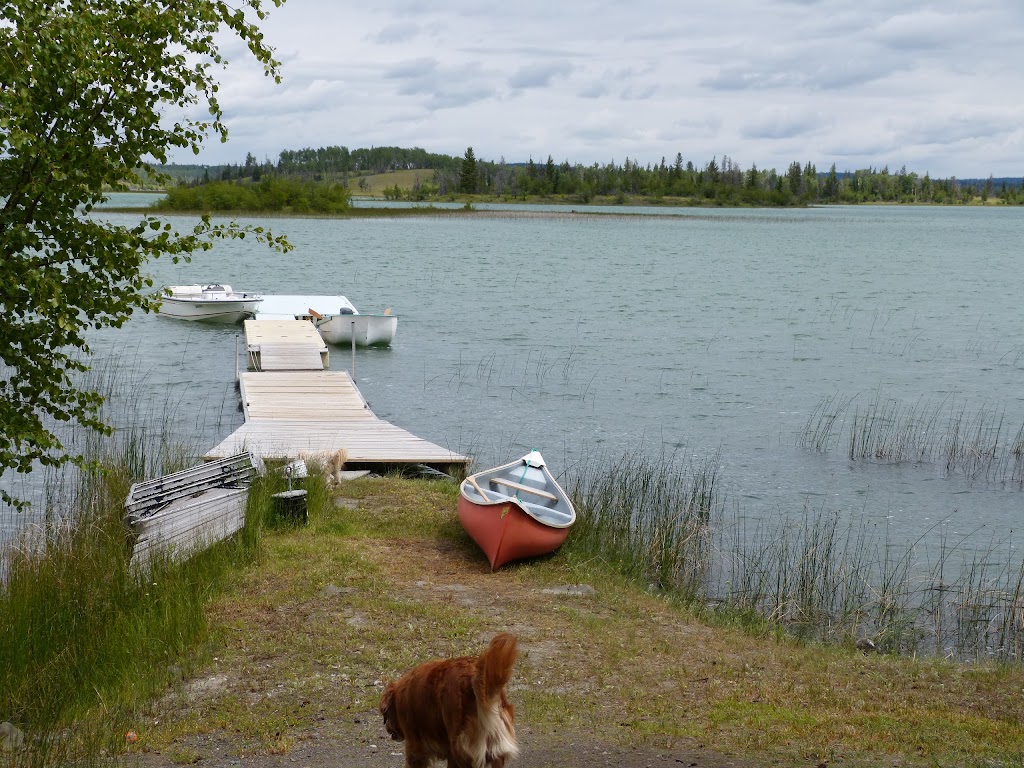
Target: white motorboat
{"type": "Point", "coordinates": [214, 302]}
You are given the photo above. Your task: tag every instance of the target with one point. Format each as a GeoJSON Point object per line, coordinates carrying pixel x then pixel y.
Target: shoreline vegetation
{"type": "Point", "coordinates": [468, 208]}
{"type": "Point", "coordinates": [806, 640]}
{"type": "Point", "coordinates": [324, 180]}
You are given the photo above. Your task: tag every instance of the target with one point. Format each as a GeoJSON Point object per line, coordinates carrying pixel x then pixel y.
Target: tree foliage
{"type": "Point", "coordinates": [282, 193]}
{"type": "Point", "coordinates": [467, 173]}
{"type": "Point", "coordinates": [323, 162]}
{"type": "Point", "coordinates": [89, 91]}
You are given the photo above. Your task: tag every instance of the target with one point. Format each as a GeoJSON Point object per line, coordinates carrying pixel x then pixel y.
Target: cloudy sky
{"type": "Point", "coordinates": [936, 85]}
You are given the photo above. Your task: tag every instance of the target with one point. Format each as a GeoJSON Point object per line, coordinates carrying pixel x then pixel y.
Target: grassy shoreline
{"type": "Point", "coordinates": [428, 208]}
{"type": "Point", "coordinates": [384, 578]}
{"type": "Point", "coordinates": [286, 636]}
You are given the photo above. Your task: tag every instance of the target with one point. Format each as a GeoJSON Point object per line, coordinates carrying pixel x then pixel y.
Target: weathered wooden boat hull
{"type": "Point", "coordinates": [176, 515]}
{"type": "Point", "coordinates": [187, 526]}
{"type": "Point", "coordinates": [515, 511]}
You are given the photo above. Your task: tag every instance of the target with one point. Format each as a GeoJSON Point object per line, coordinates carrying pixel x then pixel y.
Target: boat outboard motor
{"type": "Point", "coordinates": [346, 311]}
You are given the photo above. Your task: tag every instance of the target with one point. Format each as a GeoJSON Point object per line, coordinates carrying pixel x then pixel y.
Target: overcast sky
{"type": "Point", "coordinates": [935, 85]}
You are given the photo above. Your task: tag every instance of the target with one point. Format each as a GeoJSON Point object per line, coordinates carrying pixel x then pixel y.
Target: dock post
{"type": "Point", "coordinates": [353, 351]}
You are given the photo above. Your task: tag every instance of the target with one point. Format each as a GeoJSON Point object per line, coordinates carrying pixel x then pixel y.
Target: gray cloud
{"type": "Point", "coordinates": [769, 81]}
{"type": "Point", "coordinates": [594, 90]}
{"type": "Point", "coordinates": [957, 128]}
{"type": "Point", "coordinates": [809, 72]}
{"type": "Point", "coordinates": [925, 30]}
{"type": "Point", "coordinates": [539, 75]}
{"type": "Point", "coordinates": [639, 92]}
{"type": "Point", "coordinates": [413, 68]}
{"type": "Point", "coordinates": [740, 79]}
{"type": "Point", "coordinates": [457, 95]}
{"type": "Point", "coordinates": [400, 32]}
{"type": "Point", "coordinates": [780, 124]}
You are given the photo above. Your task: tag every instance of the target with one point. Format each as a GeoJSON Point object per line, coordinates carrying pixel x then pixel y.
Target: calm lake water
{"type": "Point", "coordinates": [697, 331]}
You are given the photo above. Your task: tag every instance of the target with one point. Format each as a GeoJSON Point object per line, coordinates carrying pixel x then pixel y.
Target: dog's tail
{"type": "Point", "coordinates": [494, 668]}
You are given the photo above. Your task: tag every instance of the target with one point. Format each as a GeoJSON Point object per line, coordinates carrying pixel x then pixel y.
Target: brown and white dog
{"type": "Point", "coordinates": [455, 709]}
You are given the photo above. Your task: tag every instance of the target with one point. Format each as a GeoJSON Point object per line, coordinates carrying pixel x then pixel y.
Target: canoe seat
{"type": "Point", "coordinates": [521, 487]}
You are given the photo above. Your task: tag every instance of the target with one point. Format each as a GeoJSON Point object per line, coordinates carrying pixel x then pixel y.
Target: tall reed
{"type": "Point", "coordinates": [650, 518]}
{"type": "Point", "coordinates": [815, 575]}
{"type": "Point", "coordinates": [976, 444]}
{"type": "Point", "coordinates": [86, 639]}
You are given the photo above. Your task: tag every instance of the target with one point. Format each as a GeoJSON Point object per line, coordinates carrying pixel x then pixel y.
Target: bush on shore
{"type": "Point", "coordinates": [269, 194]}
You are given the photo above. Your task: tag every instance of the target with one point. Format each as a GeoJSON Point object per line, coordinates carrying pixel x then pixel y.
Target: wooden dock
{"type": "Point", "coordinates": [285, 345]}
{"type": "Point", "coordinates": [295, 409]}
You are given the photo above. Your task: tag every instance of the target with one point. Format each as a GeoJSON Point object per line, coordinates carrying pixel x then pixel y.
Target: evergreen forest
{"type": "Point", "coordinates": [719, 181]}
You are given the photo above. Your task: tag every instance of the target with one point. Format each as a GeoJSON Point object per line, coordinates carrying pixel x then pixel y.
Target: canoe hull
{"type": "Point", "coordinates": [505, 533]}
{"type": "Point", "coordinates": [515, 511]}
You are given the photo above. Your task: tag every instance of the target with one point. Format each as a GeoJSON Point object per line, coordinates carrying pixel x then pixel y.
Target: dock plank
{"type": "Point", "coordinates": [297, 395]}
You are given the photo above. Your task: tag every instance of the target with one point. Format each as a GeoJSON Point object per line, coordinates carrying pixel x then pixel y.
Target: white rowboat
{"type": "Point", "coordinates": [368, 330]}
{"type": "Point", "coordinates": [335, 317]}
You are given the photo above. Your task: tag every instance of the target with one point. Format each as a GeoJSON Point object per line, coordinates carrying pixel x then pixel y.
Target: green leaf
{"type": "Point", "coordinates": [84, 87]}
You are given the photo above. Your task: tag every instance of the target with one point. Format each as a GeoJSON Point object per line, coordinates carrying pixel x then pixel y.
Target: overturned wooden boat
{"type": "Point", "coordinates": [516, 510]}
{"type": "Point", "coordinates": [176, 515]}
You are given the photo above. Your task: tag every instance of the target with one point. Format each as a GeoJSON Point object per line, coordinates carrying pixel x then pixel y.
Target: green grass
{"type": "Point", "coordinates": [260, 642]}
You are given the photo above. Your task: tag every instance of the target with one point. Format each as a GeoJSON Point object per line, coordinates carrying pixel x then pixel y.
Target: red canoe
{"type": "Point", "coordinates": [515, 511]}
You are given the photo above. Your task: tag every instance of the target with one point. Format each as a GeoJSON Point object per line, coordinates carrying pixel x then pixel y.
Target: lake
{"type": "Point", "coordinates": [693, 332]}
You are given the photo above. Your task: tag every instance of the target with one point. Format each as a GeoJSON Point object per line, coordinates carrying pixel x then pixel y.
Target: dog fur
{"type": "Point", "coordinates": [455, 709]}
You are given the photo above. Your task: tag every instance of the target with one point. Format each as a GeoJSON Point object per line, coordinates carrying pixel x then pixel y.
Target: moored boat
{"type": "Point", "coordinates": [515, 511]}
{"type": "Point", "coordinates": [214, 302]}
{"type": "Point", "coordinates": [368, 329]}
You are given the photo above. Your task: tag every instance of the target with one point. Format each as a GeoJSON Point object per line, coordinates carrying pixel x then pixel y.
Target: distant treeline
{"type": "Point", "coordinates": [716, 182]}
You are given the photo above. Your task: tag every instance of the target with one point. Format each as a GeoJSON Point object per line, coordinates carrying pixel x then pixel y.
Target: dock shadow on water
{"type": "Point", "coordinates": [815, 575]}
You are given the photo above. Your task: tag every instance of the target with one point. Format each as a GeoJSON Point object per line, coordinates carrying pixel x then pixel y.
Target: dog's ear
{"type": "Point", "coordinates": [387, 711]}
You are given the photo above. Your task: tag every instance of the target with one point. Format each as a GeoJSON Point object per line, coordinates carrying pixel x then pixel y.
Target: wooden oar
{"type": "Point", "coordinates": [472, 481]}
